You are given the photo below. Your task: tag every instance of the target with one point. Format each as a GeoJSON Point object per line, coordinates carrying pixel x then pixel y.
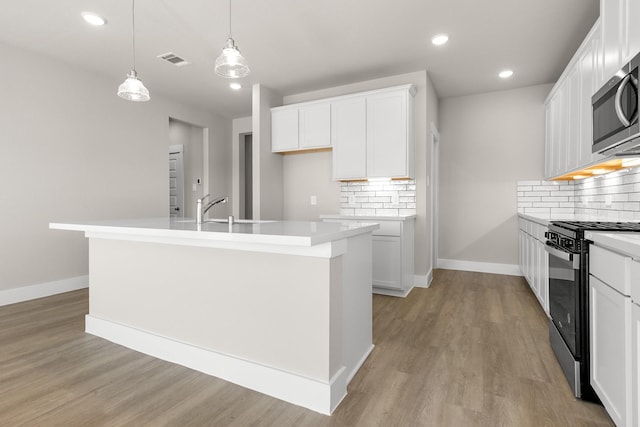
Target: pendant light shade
{"type": "Point", "coordinates": [231, 64]}
{"type": "Point", "coordinates": [132, 89]}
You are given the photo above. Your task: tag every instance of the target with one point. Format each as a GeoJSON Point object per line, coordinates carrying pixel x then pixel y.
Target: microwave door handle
{"type": "Point", "coordinates": [634, 83]}
{"type": "Point", "coordinates": [623, 119]}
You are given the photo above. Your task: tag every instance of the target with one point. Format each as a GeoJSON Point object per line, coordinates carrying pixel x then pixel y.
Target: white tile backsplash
{"type": "Point", "coordinates": [613, 196]}
{"type": "Point", "coordinates": [376, 198]}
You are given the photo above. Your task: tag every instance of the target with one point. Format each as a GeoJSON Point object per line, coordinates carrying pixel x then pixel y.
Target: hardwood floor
{"type": "Point", "coordinates": [472, 350]}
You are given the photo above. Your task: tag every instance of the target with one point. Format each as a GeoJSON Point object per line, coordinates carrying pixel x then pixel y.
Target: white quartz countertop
{"type": "Point", "coordinates": [294, 233]}
{"type": "Point", "coordinates": [628, 243]}
{"type": "Point", "coordinates": [371, 218]}
{"type": "Point", "coordinates": [545, 219]}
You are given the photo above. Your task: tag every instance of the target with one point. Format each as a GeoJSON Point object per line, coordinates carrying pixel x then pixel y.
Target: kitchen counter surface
{"type": "Point", "coordinates": [292, 233]}
{"type": "Point", "coordinates": [628, 243]}
{"type": "Point", "coordinates": [545, 219]}
{"type": "Point", "coordinates": [371, 218]}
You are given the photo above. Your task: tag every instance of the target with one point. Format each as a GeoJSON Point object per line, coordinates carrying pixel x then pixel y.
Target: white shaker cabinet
{"type": "Point", "coordinates": [534, 260]}
{"type": "Point", "coordinates": [610, 331]}
{"type": "Point", "coordinates": [349, 135]}
{"type": "Point", "coordinates": [314, 126]}
{"type": "Point", "coordinates": [301, 127]}
{"type": "Point", "coordinates": [635, 363]}
{"type": "Point", "coordinates": [284, 129]}
{"type": "Point", "coordinates": [389, 139]}
{"type": "Point", "coordinates": [392, 252]}
{"type": "Point", "coordinates": [612, 17]}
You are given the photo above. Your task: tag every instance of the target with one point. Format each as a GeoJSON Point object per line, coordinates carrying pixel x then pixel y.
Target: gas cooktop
{"type": "Point", "coordinates": [598, 225]}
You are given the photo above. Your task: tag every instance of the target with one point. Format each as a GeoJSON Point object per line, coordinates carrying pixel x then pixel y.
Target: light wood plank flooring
{"type": "Point", "coordinates": [471, 350]}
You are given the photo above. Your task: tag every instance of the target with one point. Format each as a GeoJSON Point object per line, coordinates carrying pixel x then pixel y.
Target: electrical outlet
{"type": "Point", "coordinates": [352, 200]}
{"type": "Point", "coordinates": [608, 200]}
{"type": "Point", "coordinates": [395, 199]}
{"type": "Point", "coordinates": [314, 200]}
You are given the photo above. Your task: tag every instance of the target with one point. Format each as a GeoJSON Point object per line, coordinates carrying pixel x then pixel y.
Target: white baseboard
{"type": "Point", "coordinates": [481, 267]}
{"type": "Point", "coordinates": [423, 280]}
{"type": "Point", "coordinates": [319, 396]}
{"type": "Point", "coordinates": [26, 293]}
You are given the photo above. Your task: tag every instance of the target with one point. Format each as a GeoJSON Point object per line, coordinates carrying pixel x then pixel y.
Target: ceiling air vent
{"type": "Point", "coordinates": [173, 58]}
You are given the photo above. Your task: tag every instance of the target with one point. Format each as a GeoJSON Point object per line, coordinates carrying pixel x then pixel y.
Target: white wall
{"type": "Point", "coordinates": [267, 166]}
{"type": "Point", "coordinates": [73, 150]}
{"type": "Point", "coordinates": [488, 143]}
{"type": "Point", "coordinates": [298, 177]}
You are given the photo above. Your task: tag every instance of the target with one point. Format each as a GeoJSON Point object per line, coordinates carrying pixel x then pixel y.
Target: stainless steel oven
{"type": "Point", "coordinates": [569, 297]}
{"type": "Point", "coordinates": [568, 308]}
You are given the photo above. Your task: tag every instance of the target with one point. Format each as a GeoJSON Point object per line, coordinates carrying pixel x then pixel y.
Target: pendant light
{"type": "Point", "coordinates": [231, 63]}
{"type": "Point", "coordinates": [132, 89]}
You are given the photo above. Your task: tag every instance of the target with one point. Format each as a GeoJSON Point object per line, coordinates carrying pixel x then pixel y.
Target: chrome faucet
{"type": "Point", "coordinates": [200, 210]}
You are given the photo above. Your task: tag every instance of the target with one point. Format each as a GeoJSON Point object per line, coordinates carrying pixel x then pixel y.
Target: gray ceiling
{"type": "Point", "coordinates": [294, 46]}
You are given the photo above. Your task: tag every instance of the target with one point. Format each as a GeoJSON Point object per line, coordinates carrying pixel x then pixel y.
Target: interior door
{"type": "Point", "coordinates": [176, 180]}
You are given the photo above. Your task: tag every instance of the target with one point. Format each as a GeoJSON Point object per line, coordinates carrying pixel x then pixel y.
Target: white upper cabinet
{"type": "Point", "coordinates": [284, 129]}
{"type": "Point", "coordinates": [620, 35]}
{"type": "Point", "coordinates": [349, 134]}
{"type": "Point", "coordinates": [568, 115]}
{"type": "Point", "coordinates": [371, 133]}
{"type": "Point", "coordinates": [612, 20]}
{"type": "Point", "coordinates": [389, 145]}
{"type": "Point", "coordinates": [315, 125]}
{"type": "Point", "coordinates": [301, 127]}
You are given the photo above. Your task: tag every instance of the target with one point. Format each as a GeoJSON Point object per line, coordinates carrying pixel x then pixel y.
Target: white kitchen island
{"type": "Point", "coordinates": [283, 307]}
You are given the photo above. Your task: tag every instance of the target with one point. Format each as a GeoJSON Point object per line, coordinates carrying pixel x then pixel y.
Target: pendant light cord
{"type": "Point", "coordinates": [133, 19]}
{"type": "Point", "coordinates": [229, 18]}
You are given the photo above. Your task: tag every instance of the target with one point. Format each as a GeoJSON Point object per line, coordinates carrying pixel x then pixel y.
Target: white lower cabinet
{"type": "Point", "coordinates": [635, 364]}
{"type": "Point", "coordinates": [392, 252]}
{"type": "Point", "coordinates": [534, 260]}
{"type": "Point", "coordinates": [611, 330]}
{"type": "Point", "coordinates": [610, 370]}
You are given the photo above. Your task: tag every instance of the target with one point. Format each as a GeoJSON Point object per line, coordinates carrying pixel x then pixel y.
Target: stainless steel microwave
{"type": "Point", "coordinates": [615, 110]}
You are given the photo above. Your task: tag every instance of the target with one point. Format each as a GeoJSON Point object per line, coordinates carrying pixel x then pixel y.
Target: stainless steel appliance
{"type": "Point", "coordinates": [615, 112]}
{"type": "Point", "coordinates": [569, 297]}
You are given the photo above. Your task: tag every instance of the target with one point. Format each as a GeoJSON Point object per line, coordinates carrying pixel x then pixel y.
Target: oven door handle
{"type": "Point", "coordinates": [565, 256]}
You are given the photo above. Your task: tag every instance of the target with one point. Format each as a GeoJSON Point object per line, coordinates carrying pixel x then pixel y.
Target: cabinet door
{"type": "Point", "coordinates": [573, 119]}
{"type": "Point", "coordinates": [587, 83]}
{"type": "Point", "coordinates": [284, 129]}
{"type": "Point", "coordinates": [612, 19]}
{"type": "Point", "coordinates": [635, 363]}
{"type": "Point", "coordinates": [387, 135]}
{"type": "Point", "coordinates": [610, 313]}
{"type": "Point", "coordinates": [548, 161]}
{"type": "Point", "coordinates": [632, 29]}
{"type": "Point", "coordinates": [315, 126]}
{"type": "Point", "coordinates": [348, 135]}
{"type": "Point", "coordinates": [387, 264]}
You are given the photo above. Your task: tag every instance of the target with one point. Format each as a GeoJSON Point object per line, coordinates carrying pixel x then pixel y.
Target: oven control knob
{"type": "Point", "coordinates": [567, 243]}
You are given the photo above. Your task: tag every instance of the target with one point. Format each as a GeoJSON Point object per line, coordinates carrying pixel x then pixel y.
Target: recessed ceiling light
{"type": "Point", "coordinates": [93, 19]}
{"type": "Point", "coordinates": [505, 74]}
{"type": "Point", "coordinates": [440, 39]}
{"type": "Point", "coordinates": [235, 86]}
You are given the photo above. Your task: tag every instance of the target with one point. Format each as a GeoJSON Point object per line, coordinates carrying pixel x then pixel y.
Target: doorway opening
{"type": "Point", "coordinates": [246, 176]}
{"type": "Point", "coordinates": [188, 154]}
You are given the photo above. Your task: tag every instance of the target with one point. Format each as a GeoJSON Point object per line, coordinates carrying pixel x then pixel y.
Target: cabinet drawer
{"type": "Point", "coordinates": [388, 228]}
{"type": "Point", "coordinates": [610, 267]}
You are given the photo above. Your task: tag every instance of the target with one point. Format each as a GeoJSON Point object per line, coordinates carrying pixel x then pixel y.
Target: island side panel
{"type": "Point", "coordinates": [357, 300]}
{"type": "Point", "coordinates": [267, 308]}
